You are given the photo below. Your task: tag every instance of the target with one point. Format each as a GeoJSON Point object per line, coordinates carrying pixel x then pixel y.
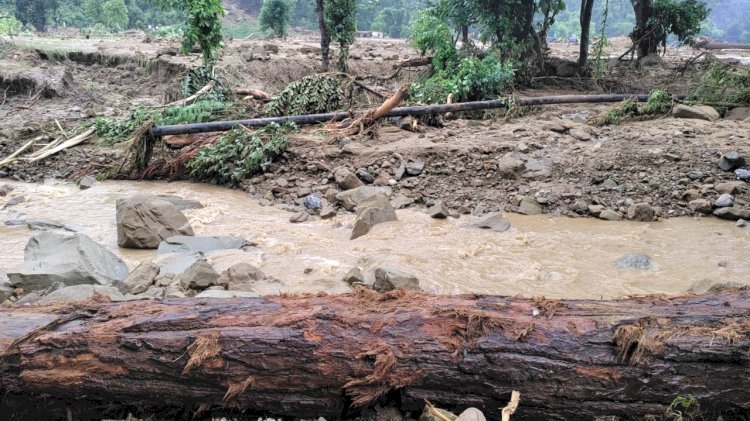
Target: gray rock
{"type": "Point", "coordinates": [731, 160]}
{"type": "Point", "coordinates": [414, 168]}
{"type": "Point", "coordinates": [580, 134]}
{"type": "Point", "coordinates": [347, 180]}
{"type": "Point", "coordinates": [5, 189]}
{"type": "Point", "coordinates": [742, 174]}
{"type": "Point", "coordinates": [199, 276]}
{"type": "Point", "coordinates": [81, 293]}
{"type": "Point", "coordinates": [730, 187]}
{"type": "Point", "coordinates": [6, 289]}
{"type": "Point", "coordinates": [707, 285]}
{"type": "Point", "coordinates": [17, 200]}
{"type": "Point", "coordinates": [387, 279]}
{"type": "Point", "coordinates": [299, 217]}
{"type": "Point", "coordinates": [371, 212]}
{"type": "Point", "coordinates": [439, 210]}
{"type": "Point", "coordinates": [471, 414]}
{"type": "Point", "coordinates": [405, 123]}
{"type": "Point", "coordinates": [738, 114]}
{"type": "Point", "coordinates": [177, 263]}
{"type": "Point", "coordinates": [86, 182]}
{"type": "Point", "coordinates": [400, 201]}
{"type": "Point", "coordinates": [354, 276]}
{"type": "Point", "coordinates": [141, 278]}
{"type": "Point", "coordinates": [696, 175]}
{"type": "Point", "coordinates": [365, 176]}
{"type": "Point", "coordinates": [609, 184]}
{"type": "Point", "coordinates": [181, 203]}
{"type": "Point", "coordinates": [637, 261]}
{"type": "Point", "coordinates": [351, 199]}
{"type": "Point", "coordinates": [509, 166]}
{"type": "Point", "coordinates": [219, 294]}
{"type": "Point", "coordinates": [312, 202]}
{"type": "Point", "coordinates": [51, 258]}
{"type": "Point", "coordinates": [145, 221]}
{"type": "Point", "coordinates": [44, 225]}
{"type": "Point", "coordinates": [641, 212]}
{"type": "Point", "coordinates": [733, 213]}
{"type": "Point", "coordinates": [186, 244]}
{"type": "Point", "coordinates": [695, 112]}
{"type": "Point", "coordinates": [700, 206]}
{"type": "Point", "coordinates": [741, 223]}
{"type": "Point", "coordinates": [15, 222]}
{"type": "Point", "coordinates": [595, 210]}
{"type": "Point", "coordinates": [610, 215]}
{"type": "Point", "coordinates": [241, 277]}
{"type": "Point", "coordinates": [724, 201]}
{"type": "Point", "coordinates": [492, 221]}
{"type": "Point", "coordinates": [529, 206]}
{"type": "Point", "coordinates": [327, 212]}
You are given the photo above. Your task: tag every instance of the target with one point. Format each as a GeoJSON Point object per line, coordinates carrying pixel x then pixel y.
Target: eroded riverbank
{"type": "Point", "coordinates": [540, 256]}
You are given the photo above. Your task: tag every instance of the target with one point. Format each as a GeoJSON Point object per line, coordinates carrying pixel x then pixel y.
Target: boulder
{"type": "Point", "coordinates": [742, 174]}
{"type": "Point", "coordinates": [508, 166]}
{"type": "Point", "coordinates": [415, 168]}
{"type": "Point", "coordinates": [81, 293]}
{"type": "Point", "coordinates": [738, 114]}
{"type": "Point", "coordinates": [181, 203]}
{"type": "Point", "coordinates": [44, 225]}
{"type": "Point", "coordinates": [641, 212]}
{"type": "Point", "coordinates": [610, 215]}
{"type": "Point", "coordinates": [731, 160]}
{"type": "Point", "coordinates": [354, 276]}
{"type": "Point", "coordinates": [387, 279]}
{"type": "Point", "coordinates": [141, 278]}
{"type": "Point", "coordinates": [186, 244]}
{"type": "Point", "coordinates": [400, 201]}
{"type": "Point", "coordinates": [351, 199]}
{"type": "Point", "coordinates": [347, 180]}
{"type": "Point", "coordinates": [240, 277]}
{"type": "Point", "coordinates": [145, 221]}
{"type": "Point", "coordinates": [529, 206]}
{"type": "Point", "coordinates": [439, 210]}
{"type": "Point", "coordinates": [724, 201]}
{"type": "Point", "coordinates": [636, 261]}
{"type": "Point", "coordinates": [371, 212]}
{"type": "Point", "coordinates": [732, 213]}
{"type": "Point", "coordinates": [695, 112]}
{"type": "Point", "coordinates": [199, 276]}
{"type": "Point", "coordinates": [492, 221]}
{"type": "Point", "coordinates": [51, 258]}
{"type": "Point", "coordinates": [700, 206]}
{"type": "Point", "coordinates": [299, 217]}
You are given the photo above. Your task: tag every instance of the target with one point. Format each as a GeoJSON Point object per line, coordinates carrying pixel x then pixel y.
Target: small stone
{"type": "Point", "coordinates": [86, 182]}
{"type": "Point", "coordinates": [44, 225]}
{"type": "Point", "coordinates": [200, 275]}
{"type": "Point", "coordinates": [700, 206]}
{"type": "Point", "coordinates": [313, 202]}
{"type": "Point", "coordinates": [579, 134]}
{"type": "Point", "coordinates": [400, 201]}
{"type": "Point", "coordinates": [439, 210]}
{"type": "Point", "coordinates": [471, 414]}
{"type": "Point", "coordinates": [730, 187]}
{"type": "Point", "coordinates": [695, 112]}
{"type": "Point", "coordinates": [609, 184]}
{"type": "Point", "coordinates": [14, 201]}
{"type": "Point", "coordinates": [405, 123]}
{"type": "Point", "coordinates": [596, 210]}
{"type": "Point", "coordinates": [529, 206]}
{"type": "Point", "coordinates": [387, 279]}
{"type": "Point", "coordinates": [414, 168]}
{"type": "Point", "coordinates": [327, 212]}
{"type": "Point", "coordinates": [365, 176]}
{"type": "Point", "coordinates": [299, 217]}
{"type": "Point", "coordinates": [347, 180]}
{"type": "Point", "coordinates": [741, 223]}
{"type": "Point", "coordinates": [724, 201]}
{"type": "Point", "coordinates": [141, 278]}
{"type": "Point", "coordinates": [742, 174]}
{"type": "Point", "coordinates": [732, 213]}
{"type": "Point", "coordinates": [635, 261]}
{"type": "Point", "coordinates": [641, 212]}
{"type": "Point", "coordinates": [610, 215]}
{"type": "Point", "coordinates": [731, 160]}
{"type": "Point", "coordinates": [696, 175]}
{"type": "Point", "coordinates": [509, 166]}
{"type": "Point", "coordinates": [354, 276]}
{"type": "Point", "coordinates": [553, 127]}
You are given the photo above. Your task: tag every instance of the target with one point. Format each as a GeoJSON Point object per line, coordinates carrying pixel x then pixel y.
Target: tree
{"type": "Point", "coordinates": [275, 16]}
{"type": "Point", "coordinates": [203, 26]}
{"type": "Point", "coordinates": [341, 19]}
{"type": "Point", "coordinates": [325, 36]}
{"type": "Point", "coordinates": [115, 15]}
{"type": "Point", "coordinates": [655, 20]}
{"type": "Point", "coordinates": [587, 7]}
{"type": "Point", "coordinates": [34, 12]}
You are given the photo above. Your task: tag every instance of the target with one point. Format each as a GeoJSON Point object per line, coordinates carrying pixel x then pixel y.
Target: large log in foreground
{"type": "Point", "coordinates": [330, 355]}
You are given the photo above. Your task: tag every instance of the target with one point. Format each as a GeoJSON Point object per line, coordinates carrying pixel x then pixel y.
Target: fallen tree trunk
{"type": "Point", "coordinates": [329, 356]}
{"type": "Point", "coordinates": [219, 126]}
{"type": "Point", "coordinates": [716, 45]}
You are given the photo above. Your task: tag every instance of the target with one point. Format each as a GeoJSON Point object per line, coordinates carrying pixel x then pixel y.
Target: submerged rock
{"type": "Point", "coordinates": [181, 203]}
{"type": "Point", "coordinates": [493, 221]}
{"type": "Point", "coordinates": [51, 258]}
{"type": "Point", "coordinates": [44, 225]}
{"type": "Point", "coordinates": [145, 221]}
{"type": "Point", "coordinates": [188, 244]}
{"type": "Point", "coordinates": [637, 261]}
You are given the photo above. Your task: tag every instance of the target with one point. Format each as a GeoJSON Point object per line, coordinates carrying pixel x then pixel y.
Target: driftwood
{"type": "Point", "coordinates": [331, 356]}
{"type": "Point", "coordinates": [706, 44]}
{"type": "Point", "coordinates": [255, 93]}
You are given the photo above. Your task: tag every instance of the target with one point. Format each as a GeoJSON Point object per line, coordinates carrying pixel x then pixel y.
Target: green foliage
{"type": "Point", "coordinates": [168, 32]}
{"type": "Point", "coordinates": [601, 44]}
{"type": "Point", "coordinates": [684, 409]}
{"type": "Point", "coordinates": [679, 17]}
{"type": "Point", "coordinates": [319, 93]}
{"type": "Point", "coordinates": [723, 83]}
{"type": "Point", "coordinates": [430, 33]}
{"type": "Point", "coordinates": [471, 79]}
{"type": "Point", "coordinates": [341, 17]}
{"type": "Point", "coordinates": [113, 130]}
{"type": "Point", "coordinates": [659, 102]}
{"type": "Point", "coordinates": [9, 24]}
{"type": "Point", "coordinates": [274, 17]}
{"type": "Point", "coordinates": [114, 15]}
{"type": "Point", "coordinates": [34, 12]}
{"type": "Point", "coordinates": [198, 77]}
{"type": "Point", "coordinates": [203, 26]}
{"type": "Point", "coordinates": [627, 108]}
{"type": "Point", "coordinates": [240, 154]}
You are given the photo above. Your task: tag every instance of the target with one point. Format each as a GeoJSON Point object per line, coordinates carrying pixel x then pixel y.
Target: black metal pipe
{"type": "Point", "coordinates": [221, 126]}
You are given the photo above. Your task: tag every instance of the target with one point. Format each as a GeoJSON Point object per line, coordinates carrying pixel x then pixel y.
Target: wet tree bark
{"type": "Point", "coordinates": [331, 355]}
{"type": "Point", "coordinates": [587, 7]}
{"type": "Point", "coordinates": [325, 37]}
{"type": "Point", "coordinates": [642, 36]}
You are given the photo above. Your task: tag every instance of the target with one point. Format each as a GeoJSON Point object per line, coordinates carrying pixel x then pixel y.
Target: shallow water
{"type": "Point", "coordinates": [553, 257]}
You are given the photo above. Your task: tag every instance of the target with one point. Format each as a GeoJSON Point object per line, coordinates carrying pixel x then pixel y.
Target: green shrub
{"type": "Point", "coordinates": [659, 102]}
{"type": "Point", "coordinates": [275, 15]}
{"type": "Point", "coordinates": [723, 83]}
{"type": "Point", "coordinates": [617, 114]}
{"type": "Point", "coordinates": [319, 93]}
{"type": "Point", "coordinates": [240, 154]}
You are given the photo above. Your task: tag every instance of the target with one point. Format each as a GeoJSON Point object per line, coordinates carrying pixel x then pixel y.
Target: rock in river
{"type": "Point", "coordinates": [51, 258]}
{"type": "Point", "coordinates": [635, 261]}
{"type": "Point", "coordinates": [493, 221]}
{"type": "Point", "coordinates": [187, 244]}
{"type": "Point", "coordinates": [387, 279]}
{"type": "Point", "coordinates": [374, 211]}
{"type": "Point", "coordinates": [145, 221]}
{"type": "Point", "coordinates": [732, 213]}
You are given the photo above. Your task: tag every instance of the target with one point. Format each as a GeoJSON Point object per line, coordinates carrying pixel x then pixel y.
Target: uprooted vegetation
{"type": "Point", "coordinates": [659, 103]}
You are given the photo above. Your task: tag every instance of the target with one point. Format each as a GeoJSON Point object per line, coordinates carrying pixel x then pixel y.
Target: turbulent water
{"type": "Point", "coordinates": [553, 257]}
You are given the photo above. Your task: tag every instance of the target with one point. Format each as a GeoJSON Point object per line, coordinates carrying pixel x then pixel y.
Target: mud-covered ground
{"type": "Point", "coordinates": [553, 154]}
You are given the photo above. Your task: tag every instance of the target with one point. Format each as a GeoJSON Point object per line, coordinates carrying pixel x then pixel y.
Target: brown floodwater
{"type": "Point", "coordinates": [540, 256]}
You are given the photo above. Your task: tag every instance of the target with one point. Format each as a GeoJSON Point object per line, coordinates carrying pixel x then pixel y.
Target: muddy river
{"type": "Point", "coordinates": [540, 255]}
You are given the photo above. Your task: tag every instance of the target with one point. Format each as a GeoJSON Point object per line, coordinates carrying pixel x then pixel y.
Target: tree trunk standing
{"type": "Point", "coordinates": [465, 35]}
{"type": "Point", "coordinates": [328, 356]}
{"type": "Point", "coordinates": [587, 7]}
{"type": "Point", "coordinates": [325, 37]}
{"type": "Point", "coordinates": [646, 44]}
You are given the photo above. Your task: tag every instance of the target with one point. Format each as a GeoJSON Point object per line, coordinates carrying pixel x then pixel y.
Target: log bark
{"type": "Point", "coordinates": [329, 356]}
{"type": "Point", "coordinates": [716, 45]}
